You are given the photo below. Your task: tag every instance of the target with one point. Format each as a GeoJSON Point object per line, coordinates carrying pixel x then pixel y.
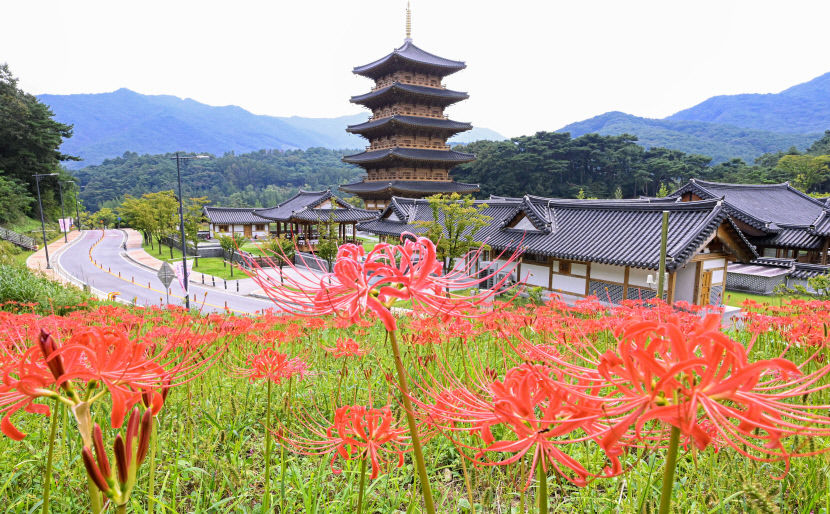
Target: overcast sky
{"type": "Point", "coordinates": [531, 65]}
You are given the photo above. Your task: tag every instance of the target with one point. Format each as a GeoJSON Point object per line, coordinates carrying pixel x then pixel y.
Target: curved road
{"type": "Point", "coordinates": [97, 261]}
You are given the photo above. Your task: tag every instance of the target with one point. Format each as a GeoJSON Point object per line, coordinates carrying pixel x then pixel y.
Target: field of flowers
{"type": "Point", "coordinates": [458, 405]}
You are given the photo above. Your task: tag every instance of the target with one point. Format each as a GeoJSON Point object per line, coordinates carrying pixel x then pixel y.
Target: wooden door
{"type": "Point", "coordinates": [704, 288]}
{"type": "Point", "coordinates": [248, 232]}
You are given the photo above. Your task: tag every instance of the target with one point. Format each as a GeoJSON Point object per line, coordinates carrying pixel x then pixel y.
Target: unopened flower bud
{"type": "Point", "coordinates": [121, 462]}
{"type": "Point", "coordinates": [93, 471]}
{"type": "Point", "coordinates": [144, 435]}
{"type": "Point", "coordinates": [100, 452]}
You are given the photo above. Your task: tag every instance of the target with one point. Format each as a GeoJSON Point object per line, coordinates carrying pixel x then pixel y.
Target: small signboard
{"type": "Point", "coordinates": [65, 224]}
{"type": "Point", "coordinates": [166, 274]}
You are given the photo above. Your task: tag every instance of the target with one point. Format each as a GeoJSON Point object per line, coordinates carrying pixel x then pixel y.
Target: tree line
{"type": "Point", "coordinates": [555, 165]}
{"type": "Point", "coordinates": [257, 179]}
{"type": "Point", "coordinates": [30, 143]}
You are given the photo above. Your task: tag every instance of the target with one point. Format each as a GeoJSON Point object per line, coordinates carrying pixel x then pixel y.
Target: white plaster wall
{"type": "Point", "coordinates": [579, 269]}
{"type": "Point", "coordinates": [569, 284]}
{"type": "Point", "coordinates": [636, 276]}
{"type": "Point", "coordinates": [607, 272]}
{"type": "Point", "coordinates": [717, 276]}
{"type": "Point", "coordinates": [714, 263]}
{"type": "Point", "coordinates": [536, 275]}
{"type": "Point", "coordinates": [684, 283]}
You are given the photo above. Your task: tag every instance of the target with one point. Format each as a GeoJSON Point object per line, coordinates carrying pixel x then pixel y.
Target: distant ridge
{"type": "Point", "coordinates": [108, 124]}
{"type": "Point", "coordinates": [728, 126]}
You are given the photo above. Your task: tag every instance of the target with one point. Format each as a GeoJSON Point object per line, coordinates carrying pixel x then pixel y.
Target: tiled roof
{"type": "Point", "coordinates": [434, 124]}
{"type": "Point", "coordinates": [410, 186]}
{"type": "Point", "coordinates": [303, 207]}
{"type": "Point", "coordinates": [804, 271]}
{"type": "Point", "coordinates": [821, 226]}
{"type": "Point", "coordinates": [301, 200]}
{"type": "Point", "coordinates": [790, 237]}
{"type": "Point", "coordinates": [352, 214]}
{"type": "Point", "coordinates": [620, 232]}
{"type": "Point", "coordinates": [410, 154]}
{"type": "Point", "coordinates": [232, 215]}
{"type": "Point", "coordinates": [383, 95]}
{"type": "Point", "coordinates": [408, 53]}
{"type": "Point", "coordinates": [763, 206]}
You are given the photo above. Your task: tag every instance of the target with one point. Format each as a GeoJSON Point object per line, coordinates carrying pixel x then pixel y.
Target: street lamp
{"type": "Point", "coordinates": [77, 204]}
{"type": "Point", "coordinates": [42, 222]}
{"type": "Point", "coordinates": [62, 223]}
{"type": "Point", "coordinates": [180, 158]}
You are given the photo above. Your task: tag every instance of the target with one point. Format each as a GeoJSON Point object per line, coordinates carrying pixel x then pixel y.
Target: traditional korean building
{"type": "Point", "coordinates": [232, 220]}
{"type": "Point", "coordinates": [408, 154]}
{"type": "Point", "coordinates": [780, 220]}
{"type": "Point", "coordinates": [301, 216]}
{"type": "Point", "coordinates": [604, 248]}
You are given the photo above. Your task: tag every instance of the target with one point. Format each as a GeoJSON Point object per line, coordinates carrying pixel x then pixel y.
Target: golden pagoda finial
{"type": "Point", "coordinates": [408, 22]}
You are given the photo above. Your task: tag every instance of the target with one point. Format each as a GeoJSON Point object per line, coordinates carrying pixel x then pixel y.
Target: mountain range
{"type": "Point", "coordinates": [729, 126]}
{"type": "Point", "coordinates": [722, 127]}
{"type": "Point", "coordinates": [109, 124]}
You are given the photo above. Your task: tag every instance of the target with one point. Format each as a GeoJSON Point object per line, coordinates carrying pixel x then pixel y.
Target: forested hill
{"type": "Point", "coordinates": [555, 165]}
{"type": "Point", "coordinates": [257, 179]}
{"type": "Point", "coordinates": [106, 125]}
{"type": "Point", "coordinates": [718, 141]}
{"type": "Point", "coordinates": [801, 109]}
{"type": "Point", "coordinates": [724, 127]}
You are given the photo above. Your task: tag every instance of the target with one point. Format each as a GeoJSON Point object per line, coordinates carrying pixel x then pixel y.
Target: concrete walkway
{"type": "Point", "coordinates": [37, 261]}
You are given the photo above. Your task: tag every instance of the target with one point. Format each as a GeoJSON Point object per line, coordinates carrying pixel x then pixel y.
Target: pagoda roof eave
{"type": "Point", "coordinates": [420, 187]}
{"type": "Point", "coordinates": [441, 96]}
{"type": "Point", "coordinates": [410, 154]}
{"type": "Point", "coordinates": [409, 53]}
{"type": "Point", "coordinates": [436, 124]}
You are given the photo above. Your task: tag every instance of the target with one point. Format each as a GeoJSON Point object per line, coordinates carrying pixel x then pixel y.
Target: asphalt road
{"type": "Point", "coordinates": [98, 261]}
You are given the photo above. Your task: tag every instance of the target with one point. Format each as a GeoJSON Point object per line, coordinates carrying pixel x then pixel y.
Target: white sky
{"type": "Point", "coordinates": [531, 65]}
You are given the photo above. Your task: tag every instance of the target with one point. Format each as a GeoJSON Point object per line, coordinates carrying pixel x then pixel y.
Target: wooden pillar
{"type": "Point", "coordinates": [625, 283]}
{"type": "Point", "coordinates": [824, 250]}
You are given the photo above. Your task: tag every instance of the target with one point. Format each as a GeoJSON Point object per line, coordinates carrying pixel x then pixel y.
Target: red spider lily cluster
{"type": "Point", "coordinates": [362, 282]}
{"type": "Point", "coordinates": [273, 366]}
{"type": "Point", "coordinates": [799, 323]}
{"type": "Point", "coordinates": [357, 432]}
{"type": "Point", "coordinates": [680, 372]}
{"type": "Point", "coordinates": [346, 347]}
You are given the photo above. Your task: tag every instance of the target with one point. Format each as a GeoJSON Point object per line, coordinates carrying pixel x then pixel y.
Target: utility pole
{"type": "Point", "coordinates": [42, 221]}
{"type": "Point", "coordinates": [181, 223]}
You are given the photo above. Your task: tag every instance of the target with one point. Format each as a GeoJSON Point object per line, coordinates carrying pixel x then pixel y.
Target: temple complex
{"type": "Point", "coordinates": [408, 154]}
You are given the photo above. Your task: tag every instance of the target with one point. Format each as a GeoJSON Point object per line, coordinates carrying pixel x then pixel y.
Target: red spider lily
{"type": "Point", "coordinates": [96, 361]}
{"type": "Point", "coordinates": [700, 380]}
{"type": "Point", "coordinates": [273, 366]}
{"type": "Point", "coordinates": [357, 432]}
{"type": "Point", "coordinates": [535, 413]}
{"type": "Point", "coordinates": [346, 348]}
{"type": "Point", "coordinates": [363, 282]}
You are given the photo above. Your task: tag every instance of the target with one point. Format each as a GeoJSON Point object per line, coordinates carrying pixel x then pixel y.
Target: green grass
{"type": "Point", "coordinates": [736, 298]}
{"type": "Point", "coordinates": [210, 446]}
{"type": "Point", "coordinates": [215, 266]}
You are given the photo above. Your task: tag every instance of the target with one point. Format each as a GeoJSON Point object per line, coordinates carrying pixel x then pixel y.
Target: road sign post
{"type": "Point", "coordinates": [166, 275]}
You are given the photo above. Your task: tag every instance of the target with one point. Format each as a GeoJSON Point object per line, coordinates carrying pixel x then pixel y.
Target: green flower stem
{"type": "Point", "coordinates": [413, 428]}
{"type": "Point", "coordinates": [152, 463]}
{"type": "Point", "coordinates": [47, 476]}
{"type": "Point", "coordinates": [467, 484]}
{"type": "Point", "coordinates": [542, 490]}
{"type": "Point", "coordinates": [266, 498]}
{"type": "Point", "coordinates": [362, 484]}
{"type": "Point", "coordinates": [282, 447]}
{"type": "Point", "coordinates": [94, 496]}
{"type": "Point", "coordinates": [668, 472]}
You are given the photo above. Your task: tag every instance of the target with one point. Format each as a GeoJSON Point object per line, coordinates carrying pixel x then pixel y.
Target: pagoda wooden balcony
{"type": "Point", "coordinates": [394, 144]}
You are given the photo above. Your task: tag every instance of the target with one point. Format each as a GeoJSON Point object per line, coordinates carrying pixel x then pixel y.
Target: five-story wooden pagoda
{"type": "Point", "coordinates": [408, 154]}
